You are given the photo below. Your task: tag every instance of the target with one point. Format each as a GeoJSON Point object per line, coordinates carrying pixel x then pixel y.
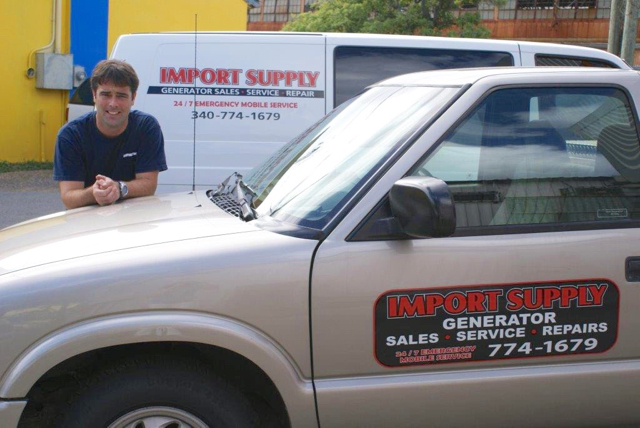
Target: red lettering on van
{"type": "Point", "coordinates": [171, 75]}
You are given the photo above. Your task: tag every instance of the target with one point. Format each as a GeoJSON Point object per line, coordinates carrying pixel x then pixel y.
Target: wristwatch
{"type": "Point", "coordinates": [124, 190]}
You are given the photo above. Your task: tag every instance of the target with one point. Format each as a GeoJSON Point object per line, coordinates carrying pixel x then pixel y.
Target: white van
{"type": "Point", "coordinates": [226, 101]}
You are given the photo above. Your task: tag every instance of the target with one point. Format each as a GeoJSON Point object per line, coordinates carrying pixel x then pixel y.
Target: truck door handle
{"type": "Point", "coordinates": [632, 269]}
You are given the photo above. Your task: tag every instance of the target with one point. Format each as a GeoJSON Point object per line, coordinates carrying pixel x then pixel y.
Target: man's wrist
{"type": "Point", "coordinates": [124, 190]}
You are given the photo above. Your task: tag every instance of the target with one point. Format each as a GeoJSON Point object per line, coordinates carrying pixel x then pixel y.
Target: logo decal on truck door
{"type": "Point", "coordinates": [490, 322]}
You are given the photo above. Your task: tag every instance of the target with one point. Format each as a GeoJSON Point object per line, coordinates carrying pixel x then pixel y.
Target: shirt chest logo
{"type": "Point", "coordinates": [129, 155]}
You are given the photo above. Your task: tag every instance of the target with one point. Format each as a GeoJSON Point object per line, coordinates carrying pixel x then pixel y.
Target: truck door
{"type": "Point", "coordinates": [527, 315]}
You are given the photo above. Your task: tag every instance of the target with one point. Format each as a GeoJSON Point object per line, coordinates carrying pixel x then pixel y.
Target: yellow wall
{"type": "Point", "coordinates": [141, 16]}
{"type": "Point", "coordinates": [26, 25]}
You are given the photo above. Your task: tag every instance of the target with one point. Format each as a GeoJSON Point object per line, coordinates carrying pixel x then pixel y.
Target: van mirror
{"type": "Point", "coordinates": [423, 206]}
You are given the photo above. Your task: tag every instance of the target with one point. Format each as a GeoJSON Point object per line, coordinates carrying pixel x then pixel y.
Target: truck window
{"type": "Point", "coordinates": [309, 181]}
{"type": "Point", "coordinates": [532, 156]}
{"type": "Point", "coordinates": [566, 61]}
{"type": "Point", "coordinates": [357, 67]}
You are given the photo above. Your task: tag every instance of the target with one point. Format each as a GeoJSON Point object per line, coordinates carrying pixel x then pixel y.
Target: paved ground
{"type": "Point", "coordinates": [27, 194]}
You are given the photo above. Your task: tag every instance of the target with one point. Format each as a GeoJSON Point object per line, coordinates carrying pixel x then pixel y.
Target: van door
{"type": "Point", "coordinates": [239, 96]}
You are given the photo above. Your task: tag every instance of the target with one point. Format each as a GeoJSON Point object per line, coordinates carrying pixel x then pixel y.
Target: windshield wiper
{"type": "Point", "coordinates": [234, 186]}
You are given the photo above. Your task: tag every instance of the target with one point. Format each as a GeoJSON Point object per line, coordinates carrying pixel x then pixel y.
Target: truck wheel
{"type": "Point", "coordinates": [158, 392]}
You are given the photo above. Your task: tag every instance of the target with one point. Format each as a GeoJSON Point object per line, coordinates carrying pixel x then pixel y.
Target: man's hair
{"type": "Point", "coordinates": [116, 72]}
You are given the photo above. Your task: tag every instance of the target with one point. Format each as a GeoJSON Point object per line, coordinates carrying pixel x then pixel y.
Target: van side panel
{"type": "Point", "coordinates": [241, 96]}
{"type": "Point", "coordinates": [228, 102]}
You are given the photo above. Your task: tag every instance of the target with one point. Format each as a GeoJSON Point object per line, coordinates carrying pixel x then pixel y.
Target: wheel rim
{"type": "Point", "coordinates": [158, 417]}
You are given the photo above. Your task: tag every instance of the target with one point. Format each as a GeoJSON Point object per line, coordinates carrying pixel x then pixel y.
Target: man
{"type": "Point", "coordinates": [112, 153]}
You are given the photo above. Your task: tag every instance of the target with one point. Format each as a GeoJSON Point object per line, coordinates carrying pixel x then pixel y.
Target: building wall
{"type": "Point", "coordinates": [583, 31]}
{"type": "Point", "coordinates": [140, 16]}
{"type": "Point", "coordinates": [586, 26]}
{"type": "Point", "coordinates": [89, 27]}
{"type": "Point", "coordinates": [29, 117]}
{"type": "Point", "coordinates": [96, 24]}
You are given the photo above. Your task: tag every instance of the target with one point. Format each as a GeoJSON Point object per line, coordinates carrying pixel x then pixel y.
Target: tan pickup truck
{"type": "Point", "coordinates": [449, 248]}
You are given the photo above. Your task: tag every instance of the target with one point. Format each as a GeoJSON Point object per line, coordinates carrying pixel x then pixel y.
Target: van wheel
{"type": "Point", "coordinates": [158, 392]}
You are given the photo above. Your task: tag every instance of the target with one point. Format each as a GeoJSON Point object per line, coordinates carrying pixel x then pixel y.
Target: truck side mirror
{"type": "Point", "coordinates": [423, 206]}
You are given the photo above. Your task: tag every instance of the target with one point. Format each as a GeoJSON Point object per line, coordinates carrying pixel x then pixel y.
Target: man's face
{"type": "Point", "coordinates": [113, 104]}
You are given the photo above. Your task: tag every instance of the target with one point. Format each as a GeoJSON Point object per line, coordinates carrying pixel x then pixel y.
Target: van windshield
{"type": "Point", "coordinates": [310, 179]}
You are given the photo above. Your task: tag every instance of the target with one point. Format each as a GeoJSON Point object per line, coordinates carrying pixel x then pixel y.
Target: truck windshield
{"type": "Point", "coordinates": [311, 178]}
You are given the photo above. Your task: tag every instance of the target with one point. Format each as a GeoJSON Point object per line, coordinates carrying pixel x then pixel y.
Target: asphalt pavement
{"type": "Point", "coordinates": [27, 194]}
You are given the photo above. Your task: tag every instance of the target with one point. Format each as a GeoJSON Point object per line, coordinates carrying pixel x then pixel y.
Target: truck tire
{"type": "Point", "coordinates": [157, 391]}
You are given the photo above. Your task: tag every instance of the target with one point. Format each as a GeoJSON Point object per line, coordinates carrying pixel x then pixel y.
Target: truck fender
{"type": "Point", "coordinates": [158, 326]}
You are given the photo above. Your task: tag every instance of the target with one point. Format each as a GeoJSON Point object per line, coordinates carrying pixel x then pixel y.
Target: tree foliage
{"type": "Point", "coordinates": [413, 17]}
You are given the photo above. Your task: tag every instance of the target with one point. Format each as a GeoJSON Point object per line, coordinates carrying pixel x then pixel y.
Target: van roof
{"type": "Point", "coordinates": [370, 37]}
{"type": "Point", "coordinates": [382, 40]}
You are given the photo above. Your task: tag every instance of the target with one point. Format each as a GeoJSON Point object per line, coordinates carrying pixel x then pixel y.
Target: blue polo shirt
{"type": "Point", "coordinates": [82, 151]}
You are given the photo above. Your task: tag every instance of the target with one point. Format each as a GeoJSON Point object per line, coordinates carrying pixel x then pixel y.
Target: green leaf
{"type": "Point", "coordinates": [411, 17]}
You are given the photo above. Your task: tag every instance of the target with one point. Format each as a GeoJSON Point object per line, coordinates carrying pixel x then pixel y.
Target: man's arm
{"type": "Point", "coordinates": [75, 195]}
{"type": "Point", "coordinates": [105, 191]}
{"type": "Point", "coordinates": [144, 184]}
{"type": "Point", "coordinates": [108, 190]}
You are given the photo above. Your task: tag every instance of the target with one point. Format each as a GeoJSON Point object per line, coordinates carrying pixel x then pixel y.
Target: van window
{"type": "Point", "coordinates": [357, 67]}
{"type": "Point", "coordinates": [566, 61]}
{"type": "Point", "coordinates": [83, 95]}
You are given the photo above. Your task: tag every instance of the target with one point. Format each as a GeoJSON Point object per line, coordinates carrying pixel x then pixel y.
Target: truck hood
{"type": "Point", "coordinates": [133, 223]}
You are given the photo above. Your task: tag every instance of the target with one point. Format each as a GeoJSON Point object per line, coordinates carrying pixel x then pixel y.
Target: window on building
{"type": "Point", "coordinates": [577, 4]}
{"type": "Point", "coordinates": [308, 3]}
{"type": "Point", "coordinates": [549, 4]}
{"type": "Point", "coordinates": [276, 10]}
{"type": "Point", "coordinates": [534, 4]}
